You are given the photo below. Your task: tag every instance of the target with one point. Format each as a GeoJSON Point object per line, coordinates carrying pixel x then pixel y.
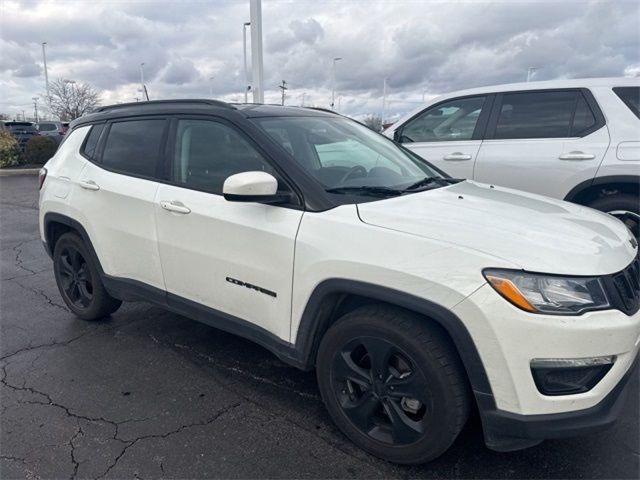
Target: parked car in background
{"type": "Point", "coordinates": [23, 131]}
{"type": "Point", "coordinates": [418, 298]}
{"type": "Point", "coordinates": [56, 130]}
{"type": "Point", "coordinates": [577, 140]}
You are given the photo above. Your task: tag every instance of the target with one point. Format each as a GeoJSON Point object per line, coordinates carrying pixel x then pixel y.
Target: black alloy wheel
{"type": "Point", "coordinates": [75, 277]}
{"type": "Point", "coordinates": [393, 382]}
{"type": "Point", "coordinates": [381, 391]}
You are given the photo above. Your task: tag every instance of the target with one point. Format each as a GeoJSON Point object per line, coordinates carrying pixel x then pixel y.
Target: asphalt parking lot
{"type": "Point", "coordinates": [152, 394]}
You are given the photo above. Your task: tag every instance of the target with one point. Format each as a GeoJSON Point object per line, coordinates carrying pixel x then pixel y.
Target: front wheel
{"type": "Point", "coordinates": [393, 384]}
{"type": "Point", "coordinates": [79, 280]}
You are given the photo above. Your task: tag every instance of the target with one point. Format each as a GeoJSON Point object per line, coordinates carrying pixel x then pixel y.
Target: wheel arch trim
{"type": "Point", "coordinates": [313, 324]}
{"type": "Point", "coordinates": [582, 186]}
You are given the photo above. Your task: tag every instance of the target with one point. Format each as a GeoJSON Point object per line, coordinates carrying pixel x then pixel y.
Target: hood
{"type": "Point", "coordinates": [534, 233]}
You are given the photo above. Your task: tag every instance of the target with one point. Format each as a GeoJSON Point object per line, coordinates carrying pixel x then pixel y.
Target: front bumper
{"type": "Point", "coordinates": [506, 431]}
{"type": "Point", "coordinates": [514, 412]}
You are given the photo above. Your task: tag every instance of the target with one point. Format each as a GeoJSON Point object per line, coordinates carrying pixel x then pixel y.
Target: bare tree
{"type": "Point", "coordinates": [69, 100]}
{"type": "Point", "coordinates": [374, 122]}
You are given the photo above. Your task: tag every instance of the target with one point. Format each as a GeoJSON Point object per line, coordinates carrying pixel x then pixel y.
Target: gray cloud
{"type": "Point", "coordinates": [420, 46]}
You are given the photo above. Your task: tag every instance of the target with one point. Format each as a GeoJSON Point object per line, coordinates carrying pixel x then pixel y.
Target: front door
{"type": "Point", "coordinates": [448, 134]}
{"type": "Point", "coordinates": [233, 257]}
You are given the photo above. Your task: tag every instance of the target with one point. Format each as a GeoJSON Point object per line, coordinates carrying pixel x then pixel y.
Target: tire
{"type": "Point", "coordinates": [419, 361]}
{"type": "Point", "coordinates": [621, 203]}
{"type": "Point", "coordinates": [78, 280]}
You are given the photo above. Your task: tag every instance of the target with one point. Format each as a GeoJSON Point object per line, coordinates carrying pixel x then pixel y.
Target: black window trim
{"type": "Point", "coordinates": [166, 172]}
{"type": "Point", "coordinates": [586, 93]}
{"type": "Point", "coordinates": [478, 131]}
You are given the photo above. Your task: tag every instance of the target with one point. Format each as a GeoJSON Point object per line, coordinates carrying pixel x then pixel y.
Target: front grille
{"type": "Point", "coordinates": [624, 288]}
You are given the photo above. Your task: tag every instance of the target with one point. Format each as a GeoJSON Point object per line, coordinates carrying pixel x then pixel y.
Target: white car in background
{"type": "Point", "coordinates": [575, 140]}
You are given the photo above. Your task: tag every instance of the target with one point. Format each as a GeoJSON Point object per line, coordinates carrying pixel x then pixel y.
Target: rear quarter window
{"type": "Point", "coordinates": [631, 98]}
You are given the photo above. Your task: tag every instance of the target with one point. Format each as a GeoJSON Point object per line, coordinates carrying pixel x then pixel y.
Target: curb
{"type": "Point", "coordinates": [11, 172]}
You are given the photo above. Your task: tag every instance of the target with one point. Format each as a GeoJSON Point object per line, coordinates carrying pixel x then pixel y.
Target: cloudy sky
{"type": "Point", "coordinates": [193, 47]}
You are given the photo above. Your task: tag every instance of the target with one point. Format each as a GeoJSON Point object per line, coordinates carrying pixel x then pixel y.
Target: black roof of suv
{"type": "Point", "coordinates": [197, 106]}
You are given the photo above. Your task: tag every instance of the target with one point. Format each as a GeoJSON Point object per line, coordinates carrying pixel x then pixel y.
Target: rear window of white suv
{"type": "Point", "coordinates": [631, 98]}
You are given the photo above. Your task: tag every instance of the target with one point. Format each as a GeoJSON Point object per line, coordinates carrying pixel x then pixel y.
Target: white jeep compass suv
{"type": "Point", "coordinates": [576, 140]}
{"type": "Point", "coordinates": [415, 296]}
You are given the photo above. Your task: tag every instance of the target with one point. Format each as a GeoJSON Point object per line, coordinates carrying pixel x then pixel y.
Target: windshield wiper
{"type": "Point", "coordinates": [427, 181]}
{"type": "Point", "coordinates": [367, 190]}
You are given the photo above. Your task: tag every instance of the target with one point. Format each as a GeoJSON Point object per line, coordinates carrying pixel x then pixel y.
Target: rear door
{"type": "Point", "coordinates": [449, 133]}
{"type": "Point", "coordinates": [544, 141]}
{"type": "Point", "coordinates": [116, 192]}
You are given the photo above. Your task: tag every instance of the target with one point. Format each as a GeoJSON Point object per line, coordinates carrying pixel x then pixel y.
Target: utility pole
{"type": "Point", "coordinates": [256, 51]}
{"type": "Point", "coordinates": [333, 81]}
{"type": "Point", "coordinates": [46, 74]}
{"type": "Point", "coordinates": [35, 108]}
{"type": "Point", "coordinates": [244, 54]}
{"type": "Point", "coordinates": [283, 87]}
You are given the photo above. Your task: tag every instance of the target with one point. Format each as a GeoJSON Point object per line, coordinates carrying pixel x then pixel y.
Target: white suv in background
{"type": "Point", "coordinates": [414, 295]}
{"type": "Point", "coordinates": [576, 140]}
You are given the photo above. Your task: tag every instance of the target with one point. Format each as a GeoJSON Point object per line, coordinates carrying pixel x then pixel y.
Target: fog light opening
{"type": "Point", "coordinates": [564, 376]}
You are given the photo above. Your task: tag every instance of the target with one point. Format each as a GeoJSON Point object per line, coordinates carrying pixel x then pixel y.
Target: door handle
{"type": "Point", "coordinates": [88, 185]}
{"type": "Point", "coordinates": [176, 207]}
{"type": "Point", "coordinates": [576, 155]}
{"type": "Point", "coordinates": [457, 156]}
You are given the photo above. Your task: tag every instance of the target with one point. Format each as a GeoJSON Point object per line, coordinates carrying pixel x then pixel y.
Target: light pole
{"type": "Point", "coordinates": [244, 54]}
{"type": "Point", "coordinates": [333, 81]}
{"type": "Point", "coordinates": [46, 73]}
{"type": "Point", "coordinates": [211, 86]}
{"type": "Point", "coordinates": [530, 73]}
{"type": "Point", "coordinates": [384, 98]}
{"type": "Point", "coordinates": [257, 67]}
{"type": "Point", "coordinates": [304, 94]}
{"type": "Point", "coordinates": [144, 89]}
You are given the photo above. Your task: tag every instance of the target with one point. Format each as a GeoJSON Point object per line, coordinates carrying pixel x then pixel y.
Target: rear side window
{"type": "Point", "coordinates": [583, 118]}
{"type": "Point", "coordinates": [134, 146]}
{"type": "Point", "coordinates": [47, 127]}
{"type": "Point", "coordinates": [631, 98]}
{"type": "Point", "coordinates": [536, 115]}
{"type": "Point", "coordinates": [89, 149]}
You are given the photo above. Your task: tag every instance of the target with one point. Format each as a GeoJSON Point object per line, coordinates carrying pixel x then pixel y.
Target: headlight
{"type": "Point", "coordinates": [539, 293]}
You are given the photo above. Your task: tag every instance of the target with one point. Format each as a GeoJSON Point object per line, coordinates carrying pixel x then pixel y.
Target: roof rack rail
{"type": "Point", "coordinates": [213, 103]}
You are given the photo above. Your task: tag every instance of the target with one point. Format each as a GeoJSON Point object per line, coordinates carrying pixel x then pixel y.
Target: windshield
{"type": "Point", "coordinates": [342, 154]}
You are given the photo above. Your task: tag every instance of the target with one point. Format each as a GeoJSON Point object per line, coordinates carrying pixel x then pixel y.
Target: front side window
{"type": "Point", "coordinates": [448, 121]}
{"type": "Point", "coordinates": [208, 152]}
{"type": "Point", "coordinates": [133, 146]}
{"type": "Point", "coordinates": [340, 153]}
{"type": "Point", "coordinates": [537, 115]}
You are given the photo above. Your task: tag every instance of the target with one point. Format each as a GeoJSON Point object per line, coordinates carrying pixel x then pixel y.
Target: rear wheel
{"type": "Point", "coordinates": [79, 281]}
{"type": "Point", "coordinates": [625, 207]}
{"type": "Point", "coordinates": [393, 384]}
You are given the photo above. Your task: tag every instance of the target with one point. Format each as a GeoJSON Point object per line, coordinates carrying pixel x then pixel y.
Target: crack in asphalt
{"type": "Point", "coordinates": [74, 461]}
{"type": "Point", "coordinates": [45, 345]}
{"type": "Point", "coordinates": [41, 293]}
{"type": "Point", "coordinates": [18, 262]}
{"type": "Point", "coordinates": [168, 434]}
